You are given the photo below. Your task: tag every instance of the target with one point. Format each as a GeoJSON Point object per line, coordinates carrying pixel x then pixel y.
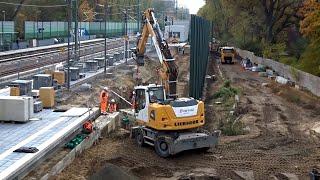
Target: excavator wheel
{"type": "Point", "coordinates": [162, 146]}
{"type": "Point", "coordinates": [139, 138]}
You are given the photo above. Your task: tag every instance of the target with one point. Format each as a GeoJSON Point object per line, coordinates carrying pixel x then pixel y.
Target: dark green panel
{"type": "Point", "coordinates": [199, 41]}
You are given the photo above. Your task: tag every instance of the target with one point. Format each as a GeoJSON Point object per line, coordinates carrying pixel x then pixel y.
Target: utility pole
{"type": "Point", "coordinates": [138, 16]}
{"type": "Point", "coordinates": [126, 33]}
{"type": "Point", "coordinates": [69, 34]}
{"type": "Point", "coordinates": [76, 34]}
{"type": "Point", "coordinates": [105, 37]}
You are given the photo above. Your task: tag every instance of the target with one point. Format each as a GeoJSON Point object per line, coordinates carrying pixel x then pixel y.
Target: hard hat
{"type": "Point", "coordinates": [112, 100]}
{"type": "Point", "coordinates": [133, 92]}
{"type": "Point", "coordinates": [106, 88]}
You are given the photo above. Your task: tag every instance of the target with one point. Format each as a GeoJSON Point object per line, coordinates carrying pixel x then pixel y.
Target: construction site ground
{"type": "Point", "coordinates": [279, 120]}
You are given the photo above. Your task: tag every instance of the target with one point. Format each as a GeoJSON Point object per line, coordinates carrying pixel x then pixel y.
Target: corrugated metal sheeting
{"type": "Point", "coordinates": [199, 54]}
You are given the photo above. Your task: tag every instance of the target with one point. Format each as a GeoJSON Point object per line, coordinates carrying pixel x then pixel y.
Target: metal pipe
{"type": "Point", "coordinates": [121, 97]}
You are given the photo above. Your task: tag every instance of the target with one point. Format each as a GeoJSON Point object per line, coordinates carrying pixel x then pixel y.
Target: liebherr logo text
{"type": "Point", "coordinates": [186, 123]}
{"type": "Point", "coordinates": [186, 110]}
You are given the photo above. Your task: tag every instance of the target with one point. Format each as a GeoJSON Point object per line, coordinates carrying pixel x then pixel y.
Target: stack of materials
{"type": "Point", "coordinates": [42, 80]}
{"type": "Point", "coordinates": [100, 61]}
{"type": "Point", "coordinates": [14, 91]}
{"type": "Point", "coordinates": [92, 66]}
{"type": "Point", "coordinates": [59, 76]}
{"type": "Point", "coordinates": [80, 66]}
{"type": "Point", "coordinates": [74, 73]}
{"type": "Point", "coordinates": [47, 95]}
{"type": "Point", "coordinates": [25, 86]}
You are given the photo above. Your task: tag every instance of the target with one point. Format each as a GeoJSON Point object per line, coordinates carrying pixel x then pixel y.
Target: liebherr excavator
{"type": "Point", "coordinates": [168, 123]}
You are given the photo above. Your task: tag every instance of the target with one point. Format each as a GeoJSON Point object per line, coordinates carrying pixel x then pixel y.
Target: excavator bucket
{"type": "Point", "coordinates": [140, 60]}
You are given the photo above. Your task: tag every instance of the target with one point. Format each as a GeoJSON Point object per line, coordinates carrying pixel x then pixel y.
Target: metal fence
{"type": "Point", "coordinates": [53, 29]}
{"type": "Point", "coordinates": [199, 54]}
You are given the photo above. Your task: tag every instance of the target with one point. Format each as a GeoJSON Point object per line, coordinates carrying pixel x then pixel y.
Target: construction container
{"type": "Point", "coordinates": [92, 66]}
{"type": "Point", "coordinates": [110, 61]}
{"type": "Point", "coordinates": [47, 96]}
{"type": "Point", "coordinates": [37, 106]}
{"type": "Point", "coordinates": [25, 86]}
{"type": "Point", "coordinates": [59, 76]}
{"type": "Point", "coordinates": [16, 108]}
{"type": "Point", "coordinates": [100, 61]}
{"type": "Point", "coordinates": [42, 80]}
{"type": "Point", "coordinates": [14, 91]}
{"type": "Point", "coordinates": [74, 73]}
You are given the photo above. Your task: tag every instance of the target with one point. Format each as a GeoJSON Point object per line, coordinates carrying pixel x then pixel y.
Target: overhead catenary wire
{"type": "Point", "coordinates": [33, 5]}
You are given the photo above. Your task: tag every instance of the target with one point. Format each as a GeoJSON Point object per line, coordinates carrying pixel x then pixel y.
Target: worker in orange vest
{"type": "Point", "coordinates": [112, 106]}
{"type": "Point", "coordinates": [104, 99]}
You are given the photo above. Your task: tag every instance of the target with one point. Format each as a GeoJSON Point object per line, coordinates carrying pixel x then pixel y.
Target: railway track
{"type": "Point", "coordinates": [13, 65]}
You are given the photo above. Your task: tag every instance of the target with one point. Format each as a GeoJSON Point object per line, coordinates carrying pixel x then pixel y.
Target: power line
{"type": "Point", "coordinates": [33, 5]}
{"type": "Point", "coordinates": [123, 5]}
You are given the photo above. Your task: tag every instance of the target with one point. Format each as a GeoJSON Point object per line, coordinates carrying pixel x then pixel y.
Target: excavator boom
{"type": "Point", "coordinates": [169, 71]}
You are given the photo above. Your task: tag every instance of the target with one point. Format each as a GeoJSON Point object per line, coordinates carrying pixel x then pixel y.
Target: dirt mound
{"type": "Point", "coordinates": [112, 172]}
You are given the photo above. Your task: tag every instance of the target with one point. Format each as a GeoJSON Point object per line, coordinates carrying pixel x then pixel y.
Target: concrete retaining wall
{"type": "Point", "coordinates": [104, 125]}
{"type": "Point", "coordinates": [303, 79]}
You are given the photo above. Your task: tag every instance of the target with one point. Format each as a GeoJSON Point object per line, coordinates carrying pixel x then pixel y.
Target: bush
{"type": "Point", "coordinates": [232, 128]}
{"type": "Point", "coordinates": [226, 91]}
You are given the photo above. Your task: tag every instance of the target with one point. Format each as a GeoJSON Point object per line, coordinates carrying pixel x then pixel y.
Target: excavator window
{"type": "Point", "coordinates": [156, 94]}
{"type": "Point", "coordinates": [140, 99]}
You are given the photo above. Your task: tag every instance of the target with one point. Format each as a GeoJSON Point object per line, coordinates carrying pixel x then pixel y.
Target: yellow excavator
{"type": "Point", "coordinates": [168, 123]}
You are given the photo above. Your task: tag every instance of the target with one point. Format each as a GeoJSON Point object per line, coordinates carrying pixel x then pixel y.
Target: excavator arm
{"type": "Point", "coordinates": [169, 70]}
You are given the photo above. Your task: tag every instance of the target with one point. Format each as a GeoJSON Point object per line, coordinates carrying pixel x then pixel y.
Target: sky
{"type": "Point", "coordinates": [192, 5]}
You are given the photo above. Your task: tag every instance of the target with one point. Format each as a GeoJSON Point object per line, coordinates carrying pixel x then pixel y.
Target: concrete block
{"type": "Point", "coordinates": [16, 108]}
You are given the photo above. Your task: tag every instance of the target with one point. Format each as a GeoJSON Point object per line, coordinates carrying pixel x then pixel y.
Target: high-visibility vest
{"type": "Point", "coordinates": [104, 96]}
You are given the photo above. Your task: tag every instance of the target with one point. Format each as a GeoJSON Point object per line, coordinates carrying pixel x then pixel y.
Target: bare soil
{"type": "Point", "coordinates": [280, 139]}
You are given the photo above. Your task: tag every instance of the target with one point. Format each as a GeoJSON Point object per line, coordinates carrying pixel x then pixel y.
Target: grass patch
{"type": "Point", "coordinates": [226, 91]}
{"type": "Point", "coordinates": [232, 127]}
